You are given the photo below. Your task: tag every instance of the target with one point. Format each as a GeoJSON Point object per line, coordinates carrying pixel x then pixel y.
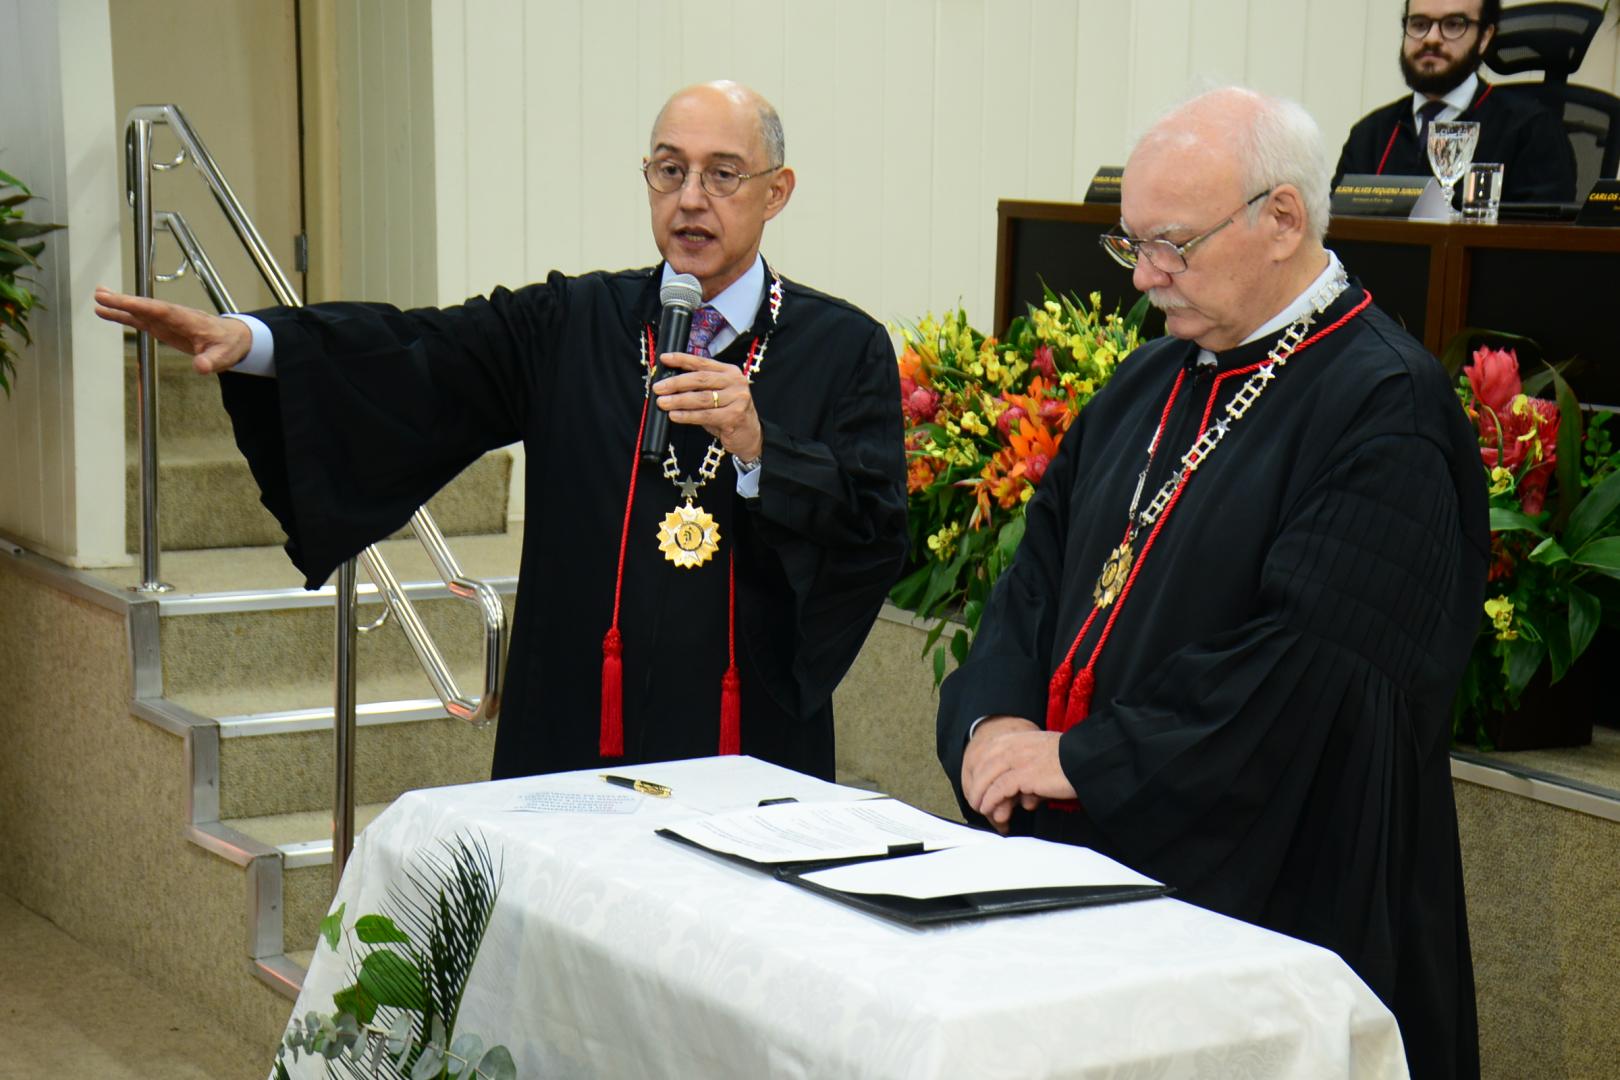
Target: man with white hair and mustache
{"type": "Point", "coordinates": [1226, 651]}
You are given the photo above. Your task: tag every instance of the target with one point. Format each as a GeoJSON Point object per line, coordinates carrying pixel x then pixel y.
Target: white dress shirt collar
{"type": "Point", "coordinates": [1457, 101]}
{"type": "Point", "coordinates": [738, 302]}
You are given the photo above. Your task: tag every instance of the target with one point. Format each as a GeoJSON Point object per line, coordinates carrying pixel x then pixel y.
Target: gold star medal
{"type": "Point", "coordinates": [688, 536]}
{"type": "Point", "coordinates": [1114, 573]}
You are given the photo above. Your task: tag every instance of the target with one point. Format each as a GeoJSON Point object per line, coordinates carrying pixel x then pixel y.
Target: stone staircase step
{"type": "Point", "coordinates": [305, 840]}
{"type": "Point", "coordinates": [188, 404]}
{"type": "Point", "coordinates": [207, 497]}
{"type": "Point", "coordinates": [295, 772]}
{"type": "Point", "coordinates": [198, 575]}
{"type": "Point", "coordinates": [281, 649]}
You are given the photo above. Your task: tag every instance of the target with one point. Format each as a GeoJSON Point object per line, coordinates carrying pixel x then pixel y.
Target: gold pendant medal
{"type": "Point", "coordinates": [1115, 572]}
{"type": "Point", "coordinates": [688, 536]}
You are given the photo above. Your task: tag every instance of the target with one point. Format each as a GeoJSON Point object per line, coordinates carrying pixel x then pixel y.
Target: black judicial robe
{"type": "Point", "coordinates": [374, 409]}
{"type": "Point", "coordinates": [1271, 722]}
{"type": "Point", "coordinates": [1514, 129]}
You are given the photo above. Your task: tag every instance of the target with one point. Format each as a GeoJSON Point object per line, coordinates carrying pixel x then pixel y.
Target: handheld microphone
{"type": "Point", "coordinates": [680, 296]}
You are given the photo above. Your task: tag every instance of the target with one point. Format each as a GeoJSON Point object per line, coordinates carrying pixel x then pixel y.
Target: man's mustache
{"type": "Point", "coordinates": [1162, 300]}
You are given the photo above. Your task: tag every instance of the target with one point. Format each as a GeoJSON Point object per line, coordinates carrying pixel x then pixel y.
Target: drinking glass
{"type": "Point", "coordinates": [1451, 151]}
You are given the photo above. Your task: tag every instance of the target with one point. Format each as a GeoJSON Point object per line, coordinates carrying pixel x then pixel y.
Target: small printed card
{"type": "Point", "coordinates": [1378, 196]}
{"type": "Point", "coordinates": [1602, 205]}
{"type": "Point", "coordinates": [1105, 186]}
{"type": "Point", "coordinates": [577, 802]}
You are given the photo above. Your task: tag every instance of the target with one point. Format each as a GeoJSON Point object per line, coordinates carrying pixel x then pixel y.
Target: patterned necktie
{"type": "Point", "coordinates": [706, 322]}
{"type": "Point", "coordinates": [1426, 114]}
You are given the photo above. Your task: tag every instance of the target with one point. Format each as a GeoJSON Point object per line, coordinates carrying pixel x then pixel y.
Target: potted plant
{"type": "Point", "coordinates": [984, 417]}
{"type": "Point", "coordinates": [1553, 473]}
{"type": "Point", "coordinates": [16, 256]}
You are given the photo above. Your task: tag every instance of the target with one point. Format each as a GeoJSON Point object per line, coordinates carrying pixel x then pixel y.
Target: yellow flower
{"type": "Point", "coordinates": [943, 543]}
{"type": "Point", "coordinates": [1052, 307]}
{"type": "Point", "coordinates": [972, 423]}
{"type": "Point", "coordinates": [1501, 481]}
{"type": "Point", "coordinates": [1500, 610]}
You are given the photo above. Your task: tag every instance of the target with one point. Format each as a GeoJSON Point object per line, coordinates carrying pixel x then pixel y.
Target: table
{"type": "Point", "coordinates": [1554, 283]}
{"type": "Point", "coordinates": [614, 952]}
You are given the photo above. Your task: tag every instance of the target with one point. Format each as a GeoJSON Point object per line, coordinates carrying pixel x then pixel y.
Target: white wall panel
{"type": "Point", "coordinates": [906, 119]}
{"type": "Point", "coordinates": [62, 430]}
{"type": "Point", "coordinates": [502, 141]}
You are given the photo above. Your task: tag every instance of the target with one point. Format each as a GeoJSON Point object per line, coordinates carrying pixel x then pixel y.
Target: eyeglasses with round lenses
{"type": "Point", "coordinates": [666, 175]}
{"type": "Point", "coordinates": [1165, 256]}
{"type": "Point", "coordinates": [1452, 27]}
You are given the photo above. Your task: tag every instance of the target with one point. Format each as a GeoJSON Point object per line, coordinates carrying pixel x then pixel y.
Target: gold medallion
{"type": "Point", "coordinates": [1114, 574]}
{"type": "Point", "coordinates": [688, 537]}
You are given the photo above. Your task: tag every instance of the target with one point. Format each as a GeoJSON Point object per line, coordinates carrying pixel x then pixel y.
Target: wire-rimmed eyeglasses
{"type": "Point", "coordinates": [666, 175]}
{"type": "Point", "coordinates": [1451, 27]}
{"type": "Point", "coordinates": [1166, 256]}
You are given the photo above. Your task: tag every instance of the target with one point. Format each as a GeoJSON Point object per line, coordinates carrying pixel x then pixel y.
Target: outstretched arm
{"type": "Point", "coordinates": [215, 344]}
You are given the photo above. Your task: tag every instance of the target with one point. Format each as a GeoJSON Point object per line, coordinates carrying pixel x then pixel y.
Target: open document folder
{"type": "Point", "coordinates": [893, 860]}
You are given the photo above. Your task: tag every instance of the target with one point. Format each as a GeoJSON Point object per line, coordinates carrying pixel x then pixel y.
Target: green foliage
{"type": "Point", "coordinates": [984, 419]}
{"type": "Point", "coordinates": [1553, 475]}
{"type": "Point", "coordinates": [398, 1018]}
{"type": "Point", "coordinates": [16, 256]}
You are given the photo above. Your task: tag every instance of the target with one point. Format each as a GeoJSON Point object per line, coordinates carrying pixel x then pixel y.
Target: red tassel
{"type": "Point", "coordinates": [731, 712]}
{"type": "Point", "coordinates": [611, 743]}
{"type": "Point", "coordinates": [1079, 706]}
{"type": "Point", "coordinates": [1056, 692]}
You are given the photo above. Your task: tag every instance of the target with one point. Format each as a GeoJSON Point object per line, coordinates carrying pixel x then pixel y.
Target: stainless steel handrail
{"type": "Point", "coordinates": [479, 711]}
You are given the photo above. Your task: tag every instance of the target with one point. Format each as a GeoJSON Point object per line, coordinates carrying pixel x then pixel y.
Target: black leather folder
{"type": "Point", "coordinates": [909, 911]}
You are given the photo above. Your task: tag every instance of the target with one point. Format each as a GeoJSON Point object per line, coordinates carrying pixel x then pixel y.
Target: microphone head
{"type": "Point", "coordinates": [682, 290]}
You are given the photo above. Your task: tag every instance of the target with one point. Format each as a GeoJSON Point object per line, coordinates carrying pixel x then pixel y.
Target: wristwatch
{"type": "Point", "coordinates": [745, 465]}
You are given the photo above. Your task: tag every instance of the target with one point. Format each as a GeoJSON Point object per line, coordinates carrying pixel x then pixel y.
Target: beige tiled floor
{"type": "Point", "coordinates": [68, 1011]}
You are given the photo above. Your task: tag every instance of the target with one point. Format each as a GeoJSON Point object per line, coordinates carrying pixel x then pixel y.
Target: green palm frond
{"type": "Point", "coordinates": [410, 972]}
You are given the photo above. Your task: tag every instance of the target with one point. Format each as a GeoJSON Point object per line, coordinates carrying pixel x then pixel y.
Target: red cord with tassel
{"type": "Point", "coordinates": [610, 734]}
{"type": "Point", "coordinates": [731, 682]}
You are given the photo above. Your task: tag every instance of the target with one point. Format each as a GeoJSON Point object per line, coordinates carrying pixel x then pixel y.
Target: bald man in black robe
{"type": "Point", "coordinates": [711, 610]}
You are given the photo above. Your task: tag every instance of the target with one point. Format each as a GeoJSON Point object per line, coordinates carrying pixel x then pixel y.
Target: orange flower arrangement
{"type": "Point", "coordinates": [985, 417]}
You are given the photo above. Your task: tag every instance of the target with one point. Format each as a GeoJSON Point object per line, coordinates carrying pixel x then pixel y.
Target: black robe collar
{"type": "Point", "coordinates": [1255, 351]}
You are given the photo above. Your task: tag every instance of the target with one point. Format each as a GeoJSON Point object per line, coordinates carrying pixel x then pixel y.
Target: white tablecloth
{"type": "Point", "coordinates": [615, 952]}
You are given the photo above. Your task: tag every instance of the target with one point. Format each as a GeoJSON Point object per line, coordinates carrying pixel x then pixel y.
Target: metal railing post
{"type": "Point", "coordinates": [140, 164]}
{"type": "Point", "coordinates": [343, 713]}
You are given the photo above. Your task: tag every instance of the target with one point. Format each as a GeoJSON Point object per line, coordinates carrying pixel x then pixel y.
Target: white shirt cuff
{"type": "Point", "coordinates": [748, 482]}
{"type": "Point", "coordinates": [261, 357]}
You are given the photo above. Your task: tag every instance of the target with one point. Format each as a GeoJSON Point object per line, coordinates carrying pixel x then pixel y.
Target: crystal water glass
{"type": "Point", "coordinates": [1451, 151]}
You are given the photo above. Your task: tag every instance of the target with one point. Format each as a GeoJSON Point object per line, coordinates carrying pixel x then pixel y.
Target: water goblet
{"type": "Point", "coordinates": [1451, 151]}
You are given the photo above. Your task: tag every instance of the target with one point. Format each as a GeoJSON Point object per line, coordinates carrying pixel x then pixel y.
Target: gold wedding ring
{"type": "Point", "coordinates": [714, 396]}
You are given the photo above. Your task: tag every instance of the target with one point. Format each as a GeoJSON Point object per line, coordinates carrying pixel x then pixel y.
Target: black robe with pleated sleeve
{"type": "Point", "coordinates": [1270, 728]}
{"type": "Point", "coordinates": [374, 409]}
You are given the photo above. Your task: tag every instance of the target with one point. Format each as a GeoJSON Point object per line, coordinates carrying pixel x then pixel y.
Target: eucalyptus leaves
{"type": "Point", "coordinates": [398, 1018]}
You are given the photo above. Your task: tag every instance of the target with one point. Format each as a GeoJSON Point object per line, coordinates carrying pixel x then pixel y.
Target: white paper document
{"type": "Point", "coordinates": [578, 802]}
{"type": "Point", "coordinates": [801, 832]}
{"type": "Point", "coordinates": [738, 782]}
{"type": "Point", "coordinates": [1018, 862]}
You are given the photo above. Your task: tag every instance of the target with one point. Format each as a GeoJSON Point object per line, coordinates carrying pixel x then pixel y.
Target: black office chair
{"type": "Point", "coordinates": [1550, 37]}
{"type": "Point", "coordinates": [1553, 38]}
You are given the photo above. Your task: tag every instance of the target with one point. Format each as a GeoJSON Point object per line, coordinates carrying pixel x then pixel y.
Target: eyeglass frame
{"type": "Point", "coordinates": [1467, 21]}
{"type": "Point", "coordinates": [686, 172]}
{"type": "Point", "coordinates": [1135, 243]}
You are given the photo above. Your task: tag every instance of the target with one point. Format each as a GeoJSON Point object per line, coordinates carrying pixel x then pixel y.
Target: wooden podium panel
{"type": "Point", "coordinates": [1558, 284]}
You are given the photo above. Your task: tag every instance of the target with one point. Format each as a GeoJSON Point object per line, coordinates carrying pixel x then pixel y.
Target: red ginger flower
{"type": "Point", "coordinates": [1494, 377]}
{"type": "Point", "coordinates": [1516, 432]}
